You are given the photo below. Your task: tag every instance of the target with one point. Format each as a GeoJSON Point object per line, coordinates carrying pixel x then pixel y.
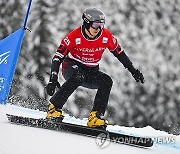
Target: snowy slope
{"type": "Point", "coordinates": [16, 139]}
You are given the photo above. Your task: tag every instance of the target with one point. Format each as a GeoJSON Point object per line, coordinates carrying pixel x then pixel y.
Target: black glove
{"type": "Point", "coordinates": [138, 76]}
{"type": "Point", "coordinates": [51, 86]}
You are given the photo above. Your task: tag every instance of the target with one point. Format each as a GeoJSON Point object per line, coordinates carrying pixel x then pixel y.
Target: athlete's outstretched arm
{"type": "Point", "coordinates": [124, 59]}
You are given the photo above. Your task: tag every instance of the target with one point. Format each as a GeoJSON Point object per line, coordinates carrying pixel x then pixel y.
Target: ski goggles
{"type": "Point", "coordinates": [97, 25]}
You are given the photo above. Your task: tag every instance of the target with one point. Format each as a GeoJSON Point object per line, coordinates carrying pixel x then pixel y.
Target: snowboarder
{"type": "Point", "coordinates": [80, 52]}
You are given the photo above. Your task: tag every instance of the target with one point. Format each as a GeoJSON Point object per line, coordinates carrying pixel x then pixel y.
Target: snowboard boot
{"type": "Point", "coordinates": [54, 114]}
{"type": "Point", "coordinates": [95, 121]}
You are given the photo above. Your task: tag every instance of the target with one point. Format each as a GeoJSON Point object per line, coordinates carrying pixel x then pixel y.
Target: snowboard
{"type": "Point", "coordinates": [102, 134]}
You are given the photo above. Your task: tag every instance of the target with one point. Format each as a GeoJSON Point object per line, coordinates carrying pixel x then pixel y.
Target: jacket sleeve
{"type": "Point", "coordinates": [64, 48]}
{"type": "Point", "coordinates": [58, 58]}
{"type": "Point", "coordinates": [123, 58]}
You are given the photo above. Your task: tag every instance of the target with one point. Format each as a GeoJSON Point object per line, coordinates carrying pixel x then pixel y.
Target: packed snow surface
{"type": "Point", "coordinates": [16, 139]}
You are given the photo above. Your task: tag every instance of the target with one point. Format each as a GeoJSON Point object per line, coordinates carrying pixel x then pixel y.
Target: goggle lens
{"type": "Point", "coordinates": [97, 25]}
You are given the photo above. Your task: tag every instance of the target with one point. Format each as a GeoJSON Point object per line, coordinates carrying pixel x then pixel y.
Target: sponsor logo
{"type": "Point", "coordinates": [88, 16]}
{"type": "Point", "coordinates": [91, 49]}
{"type": "Point", "coordinates": [75, 66]}
{"type": "Point", "coordinates": [78, 41]}
{"type": "Point", "coordinates": [105, 40]}
{"type": "Point", "coordinates": [1, 88]}
{"type": "Point", "coordinates": [88, 54]}
{"type": "Point", "coordinates": [1, 82]}
{"type": "Point", "coordinates": [101, 17]}
{"type": "Point", "coordinates": [4, 56]}
{"type": "Point", "coordinates": [88, 60]}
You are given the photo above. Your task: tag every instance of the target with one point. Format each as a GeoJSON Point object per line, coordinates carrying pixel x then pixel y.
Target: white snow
{"type": "Point", "coordinates": [16, 139]}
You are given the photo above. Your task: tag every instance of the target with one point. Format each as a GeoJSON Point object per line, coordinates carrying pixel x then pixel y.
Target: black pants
{"type": "Point", "coordinates": [77, 74]}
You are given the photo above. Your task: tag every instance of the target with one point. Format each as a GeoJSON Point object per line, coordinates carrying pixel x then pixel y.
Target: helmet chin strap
{"type": "Point", "coordinates": [89, 32]}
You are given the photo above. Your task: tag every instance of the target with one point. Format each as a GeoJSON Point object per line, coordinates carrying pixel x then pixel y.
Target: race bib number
{"type": "Point", "coordinates": [67, 41]}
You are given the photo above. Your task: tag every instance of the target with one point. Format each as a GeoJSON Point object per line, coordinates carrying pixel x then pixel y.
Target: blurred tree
{"type": "Point", "coordinates": [11, 15]}
{"type": "Point", "coordinates": [34, 66]}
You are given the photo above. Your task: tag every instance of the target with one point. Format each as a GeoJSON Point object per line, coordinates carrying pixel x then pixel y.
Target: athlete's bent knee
{"type": "Point", "coordinates": [106, 80]}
